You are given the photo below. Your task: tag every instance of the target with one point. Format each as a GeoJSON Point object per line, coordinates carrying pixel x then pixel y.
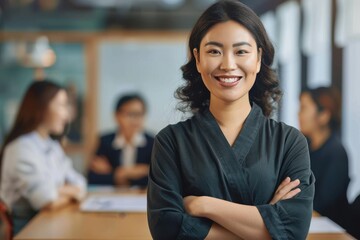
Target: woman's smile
{"type": "Point", "coordinates": [228, 81]}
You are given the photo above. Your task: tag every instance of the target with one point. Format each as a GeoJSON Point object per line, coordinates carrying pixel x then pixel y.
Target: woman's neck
{"type": "Point", "coordinates": [43, 132]}
{"type": "Point", "coordinates": [128, 137]}
{"type": "Point", "coordinates": [230, 114]}
{"type": "Point", "coordinates": [319, 137]}
{"type": "Point", "coordinates": [230, 117]}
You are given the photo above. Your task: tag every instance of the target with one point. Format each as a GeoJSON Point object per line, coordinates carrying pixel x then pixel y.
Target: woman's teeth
{"type": "Point", "coordinates": [228, 80]}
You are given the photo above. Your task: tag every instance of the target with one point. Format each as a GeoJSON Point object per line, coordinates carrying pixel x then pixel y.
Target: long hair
{"type": "Point", "coordinates": [32, 110]}
{"type": "Point", "coordinates": [193, 94]}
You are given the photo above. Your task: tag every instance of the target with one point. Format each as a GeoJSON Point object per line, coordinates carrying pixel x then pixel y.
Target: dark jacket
{"type": "Point", "coordinates": [113, 155]}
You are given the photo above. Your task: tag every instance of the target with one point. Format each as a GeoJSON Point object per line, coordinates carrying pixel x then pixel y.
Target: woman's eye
{"type": "Point", "coordinates": [213, 52]}
{"type": "Point", "coordinates": [241, 52]}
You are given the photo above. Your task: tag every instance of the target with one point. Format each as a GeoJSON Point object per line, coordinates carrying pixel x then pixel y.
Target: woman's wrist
{"type": "Point", "coordinates": [72, 191]}
{"type": "Point", "coordinates": [207, 205]}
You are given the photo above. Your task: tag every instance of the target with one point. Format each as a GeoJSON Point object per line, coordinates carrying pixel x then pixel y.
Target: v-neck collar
{"type": "Point", "coordinates": [245, 138]}
{"type": "Point", "coordinates": [231, 159]}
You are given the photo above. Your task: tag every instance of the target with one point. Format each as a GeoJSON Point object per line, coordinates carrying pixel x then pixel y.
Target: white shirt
{"type": "Point", "coordinates": [34, 168]}
{"type": "Point", "coordinates": [129, 150]}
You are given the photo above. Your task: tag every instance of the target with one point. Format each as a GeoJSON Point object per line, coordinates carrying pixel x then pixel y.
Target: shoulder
{"type": "Point", "coordinates": [177, 129]}
{"type": "Point", "coordinates": [23, 143]}
{"type": "Point", "coordinates": [275, 130]}
{"type": "Point", "coordinates": [149, 137]}
{"type": "Point", "coordinates": [289, 133]}
{"type": "Point", "coordinates": [284, 135]}
{"type": "Point", "coordinates": [174, 134]}
{"type": "Point", "coordinates": [335, 148]}
{"type": "Point", "coordinates": [335, 142]}
{"type": "Point", "coordinates": [23, 151]}
{"type": "Point", "coordinates": [107, 137]}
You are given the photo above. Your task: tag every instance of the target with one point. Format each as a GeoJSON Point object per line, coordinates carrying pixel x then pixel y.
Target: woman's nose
{"type": "Point", "coordinates": [228, 63]}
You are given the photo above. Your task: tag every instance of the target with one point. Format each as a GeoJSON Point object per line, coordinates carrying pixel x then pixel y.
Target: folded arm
{"type": "Point", "coordinates": [243, 221]}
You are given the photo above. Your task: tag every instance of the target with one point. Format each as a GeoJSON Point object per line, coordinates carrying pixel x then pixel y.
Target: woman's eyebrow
{"type": "Point", "coordinates": [222, 45]}
{"type": "Point", "coordinates": [214, 43]}
{"type": "Point", "coordinates": [241, 44]}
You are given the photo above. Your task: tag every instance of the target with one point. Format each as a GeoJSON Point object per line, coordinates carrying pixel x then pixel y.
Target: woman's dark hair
{"type": "Point", "coordinates": [327, 99]}
{"type": "Point", "coordinates": [193, 94]}
{"type": "Point", "coordinates": [32, 110]}
{"type": "Point", "coordinates": [127, 98]}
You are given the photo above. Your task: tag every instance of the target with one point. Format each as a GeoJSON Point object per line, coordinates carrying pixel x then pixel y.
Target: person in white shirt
{"type": "Point", "coordinates": [36, 174]}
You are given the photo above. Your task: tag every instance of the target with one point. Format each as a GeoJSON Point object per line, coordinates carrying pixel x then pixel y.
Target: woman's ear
{"type": "Point", "coordinates": [258, 67]}
{"type": "Point", "coordinates": [197, 59]}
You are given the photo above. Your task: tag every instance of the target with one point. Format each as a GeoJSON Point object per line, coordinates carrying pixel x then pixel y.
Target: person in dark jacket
{"type": "Point", "coordinates": [320, 119]}
{"type": "Point", "coordinates": [123, 157]}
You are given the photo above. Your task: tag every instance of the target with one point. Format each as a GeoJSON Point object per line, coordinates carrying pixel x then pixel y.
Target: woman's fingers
{"type": "Point", "coordinates": [287, 189]}
{"type": "Point", "coordinates": [283, 183]}
{"type": "Point", "coordinates": [291, 194]}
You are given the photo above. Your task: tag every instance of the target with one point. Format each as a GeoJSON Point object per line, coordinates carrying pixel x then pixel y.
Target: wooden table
{"type": "Point", "coordinates": [329, 236]}
{"type": "Point", "coordinates": [69, 224]}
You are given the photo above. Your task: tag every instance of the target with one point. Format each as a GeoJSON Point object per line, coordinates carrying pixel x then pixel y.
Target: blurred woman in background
{"type": "Point", "coordinates": [35, 172]}
{"type": "Point", "coordinates": [320, 119]}
{"type": "Point", "coordinates": [123, 157]}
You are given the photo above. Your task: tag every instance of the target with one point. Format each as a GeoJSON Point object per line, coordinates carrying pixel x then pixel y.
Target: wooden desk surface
{"type": "Point", "coordinates": [70, 223]}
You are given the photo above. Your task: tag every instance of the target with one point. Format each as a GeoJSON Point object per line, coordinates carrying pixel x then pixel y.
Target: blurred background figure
{"type": "Point", "coordinates": [6, 227]}
{"type": "Point", "coordinates": [75, 113]}
{"type": "Point", "coordinates": [320, 121]}
{"type": "Point", "coordinates": [35, 172]}
{"type": "Point", "coordinates": [123, 157]}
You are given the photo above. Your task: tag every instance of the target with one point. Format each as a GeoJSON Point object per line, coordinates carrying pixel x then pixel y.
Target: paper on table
{"type": "Point", "coordinates": [123, 203]}
{"type": "Point", "coordinates": [324, 225]}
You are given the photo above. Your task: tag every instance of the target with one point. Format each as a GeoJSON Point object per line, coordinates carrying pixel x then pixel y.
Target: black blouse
{"type": "Point", "coordinates": [330, 166]}
{"type": "Point", "coordinates": [194, 158]}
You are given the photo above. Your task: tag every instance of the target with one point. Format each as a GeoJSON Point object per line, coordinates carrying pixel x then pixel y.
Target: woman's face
{"type": "Point", "coordinates": [228, 61]}
{"type": "Point", "coordinates": [57, 114]}
{"type": "Point", "coordinates": [130, 117]}
{"type": "Point", "coordinates": [308, 115]}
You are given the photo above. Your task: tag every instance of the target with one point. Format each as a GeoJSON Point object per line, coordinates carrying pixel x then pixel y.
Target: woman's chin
{"type": "Point", "coordinates": [58, 131]}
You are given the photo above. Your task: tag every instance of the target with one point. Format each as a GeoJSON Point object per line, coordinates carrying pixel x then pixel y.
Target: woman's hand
{"type": "Point", "coordinates": [137, 172]}
{"type": "Point", "coordinates": [121, 176]}
{"type": "Point", "coordinates": [71, 191]}
{"type": "Point", "coordinates": [286, 190]}
{"type": "Point", "coordinates": [100, 165]}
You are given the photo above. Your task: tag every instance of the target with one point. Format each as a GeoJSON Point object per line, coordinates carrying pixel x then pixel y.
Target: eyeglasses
{"type": "Point", "coordinates": [133, 115]}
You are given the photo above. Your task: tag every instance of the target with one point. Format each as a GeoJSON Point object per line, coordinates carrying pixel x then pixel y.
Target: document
{"type": "Point", "coordinates": [114, 203]}
{"type": "Point", "coordinates": [324, 225]}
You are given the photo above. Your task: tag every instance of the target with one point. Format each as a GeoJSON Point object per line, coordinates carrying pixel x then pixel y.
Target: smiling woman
{"type": "Point", "coordinates": [230, 172]}
{"type": "Point", "coordinates": [251, 40]}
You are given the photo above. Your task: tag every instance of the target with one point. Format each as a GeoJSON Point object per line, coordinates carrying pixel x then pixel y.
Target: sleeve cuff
{"type": "Point", "coordinates": [42, 197]}
{"type": "Point", "coordinates": [194, 228]}
{"type": "Point", "coordinates": [272, 221]}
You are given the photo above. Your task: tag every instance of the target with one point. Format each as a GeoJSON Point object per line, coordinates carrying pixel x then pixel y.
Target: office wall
{"type": "Point", "coordinates": [150, 67]}
{"type": "Point", "coordinates": [351, 113]}
{"type": "Point", "coordinates": [69, 68]}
